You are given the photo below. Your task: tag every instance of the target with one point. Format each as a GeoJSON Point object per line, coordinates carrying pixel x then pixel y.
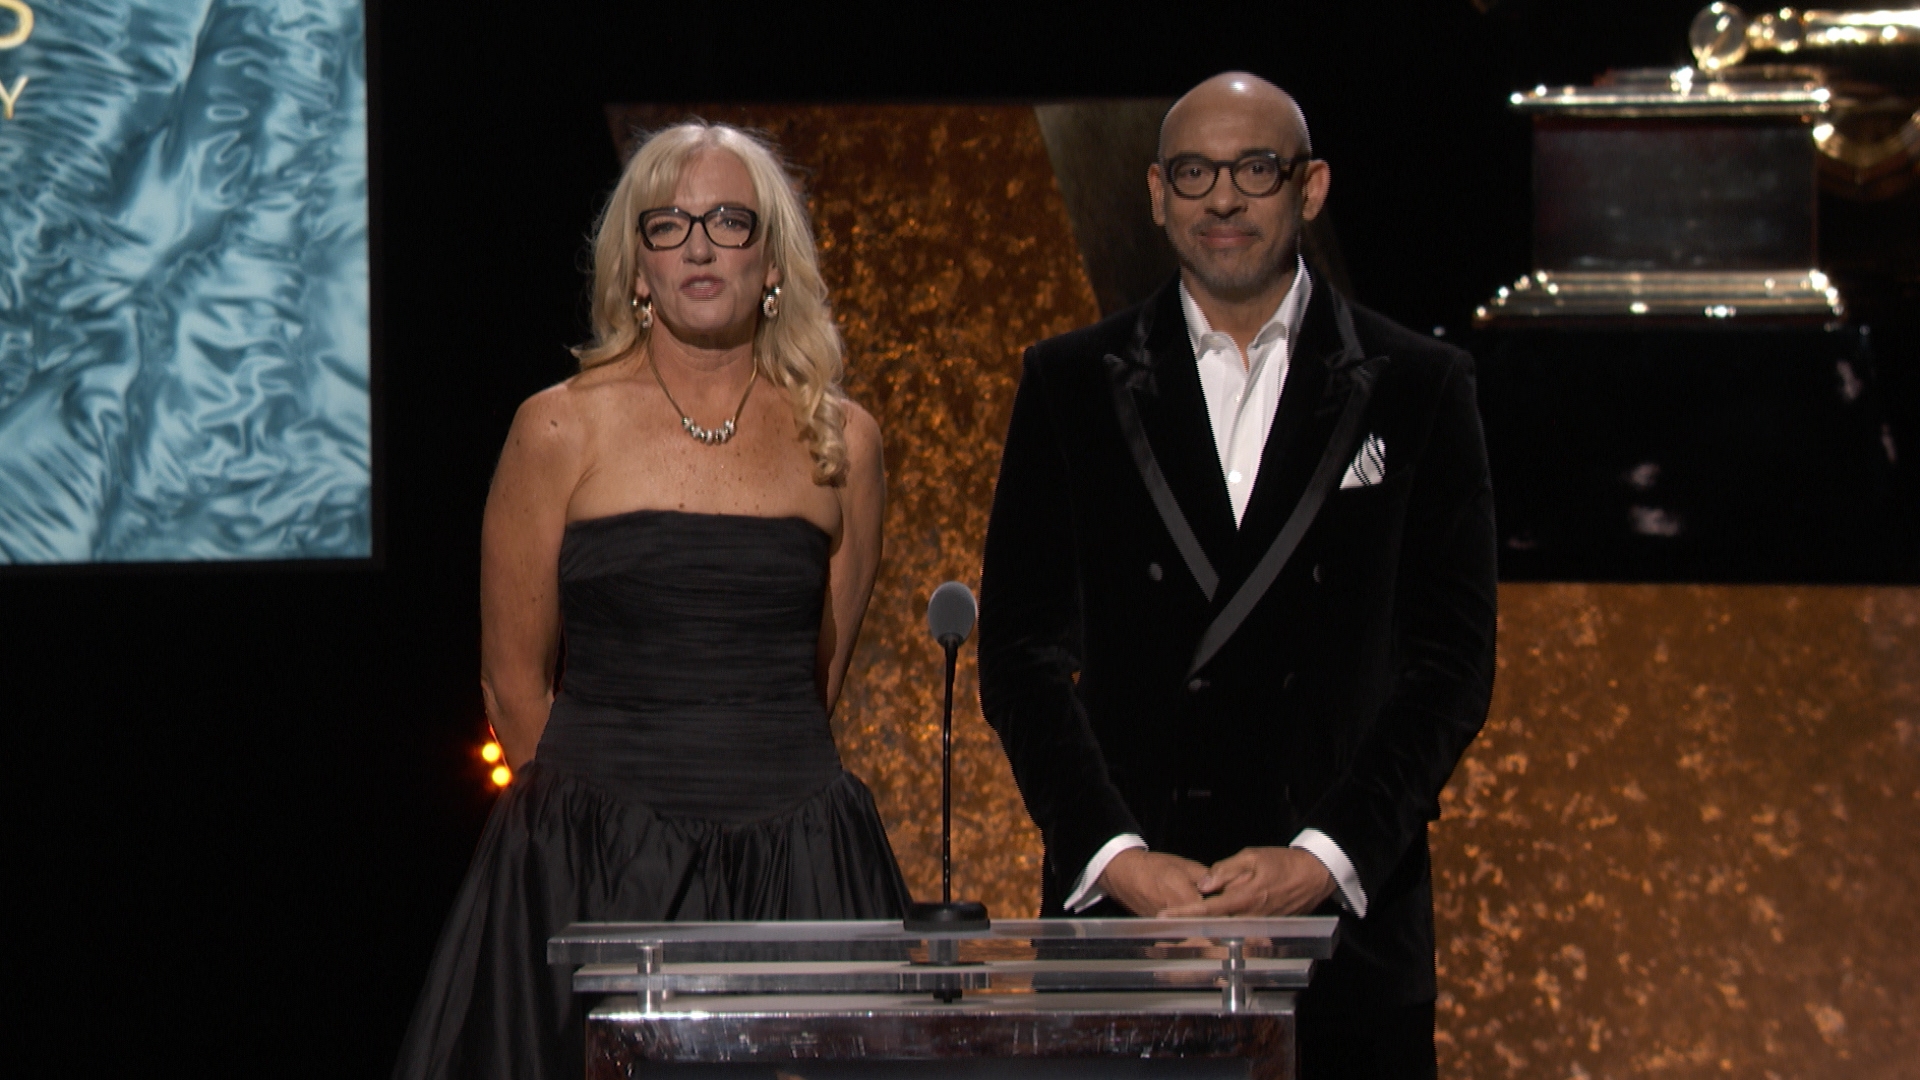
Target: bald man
{"type": "Point", "coordinates": [1237, 610]}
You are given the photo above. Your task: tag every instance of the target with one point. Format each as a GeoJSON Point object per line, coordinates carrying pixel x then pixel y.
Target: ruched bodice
{"type": "Point", "coordinates": [686, 772]}
{"type": "Point", "coordinates": [690, 651]}
{"type": "Point", "coordinates": [666, 609]}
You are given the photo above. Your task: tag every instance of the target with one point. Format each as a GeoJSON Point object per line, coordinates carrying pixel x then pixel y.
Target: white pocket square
{"type": "Point", "coordinates": [1369, 465]}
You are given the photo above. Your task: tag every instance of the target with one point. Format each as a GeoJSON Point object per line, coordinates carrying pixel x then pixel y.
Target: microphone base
{"type": "Point", "coordinates": [954, 917]}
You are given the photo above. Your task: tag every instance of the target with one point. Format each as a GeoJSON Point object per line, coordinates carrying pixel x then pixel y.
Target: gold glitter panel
{"type": "Point", "coordinates": [1684, 845]}
{"type": "Point", "coordinates": [946, 245]}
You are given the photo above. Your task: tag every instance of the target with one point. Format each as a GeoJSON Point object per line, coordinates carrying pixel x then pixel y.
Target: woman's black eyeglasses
{"type": "Point", "coordinates": [1261, 173]}
{"type": "Point", "coordinates": [667, 227]}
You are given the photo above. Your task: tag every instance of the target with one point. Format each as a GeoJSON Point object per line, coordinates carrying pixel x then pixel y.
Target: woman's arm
{"type": "Point", "coordinates": [520, 568]}
{"type": "Point", "coordinates": [856, 562]}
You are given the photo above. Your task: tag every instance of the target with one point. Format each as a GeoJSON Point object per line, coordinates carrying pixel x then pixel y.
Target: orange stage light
{"type": "Point", "coordinates": [502, 776]}
{"type": "Point", "coordinates": [490, 753]}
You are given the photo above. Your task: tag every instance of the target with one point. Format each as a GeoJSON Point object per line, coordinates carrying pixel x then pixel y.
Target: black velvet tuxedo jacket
{"type": "Point", "coordinates": [1347, 691]}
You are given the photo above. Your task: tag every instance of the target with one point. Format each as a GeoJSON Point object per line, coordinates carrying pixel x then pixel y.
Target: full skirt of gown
{"type": "Point", "coordinates": [686, 773]}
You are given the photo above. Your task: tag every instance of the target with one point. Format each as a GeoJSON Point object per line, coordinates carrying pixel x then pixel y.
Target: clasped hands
{"type": "Point", "coordinates": [1257, 881]}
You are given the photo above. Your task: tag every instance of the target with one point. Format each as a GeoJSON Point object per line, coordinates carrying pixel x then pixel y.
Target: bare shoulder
{"type": "Point", "coordinates": [864, 445]}
{"type": "Point", "coordinates": [862, 489]}
{"type": "Point", "coordinates": [567, 415]}
{"type": "Point", "coordinates": [543, 460]}
{"type": "Point", "coordinates": [551, 424]}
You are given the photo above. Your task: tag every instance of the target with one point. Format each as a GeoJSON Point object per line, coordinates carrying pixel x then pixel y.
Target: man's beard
{"type": "Point", "coordinates": [1235, 282]}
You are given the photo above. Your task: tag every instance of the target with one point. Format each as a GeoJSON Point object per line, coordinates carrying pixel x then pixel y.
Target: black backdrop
{"type": "Point", "coordinates": [238, 801]}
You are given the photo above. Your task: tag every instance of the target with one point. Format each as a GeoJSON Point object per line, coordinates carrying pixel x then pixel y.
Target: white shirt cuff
{"type": "Point", "coordinates": [1322, 847]}
{"type": "Point", "coordinates": [1086, 889]}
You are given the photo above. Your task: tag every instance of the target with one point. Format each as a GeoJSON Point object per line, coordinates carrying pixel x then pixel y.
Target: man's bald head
{"type": "Point", "coordinates": [1237, 240]}
{"type": "Point", "coordinates": [1241, 93]}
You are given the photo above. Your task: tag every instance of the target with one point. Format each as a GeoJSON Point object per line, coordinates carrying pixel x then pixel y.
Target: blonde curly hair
{"type": "Point", "coordinates": [800, 350]}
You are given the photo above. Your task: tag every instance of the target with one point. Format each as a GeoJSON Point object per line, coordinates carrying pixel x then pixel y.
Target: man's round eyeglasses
{"type": "Point", "coordinates": [667, 227]}
{"type": "Point", "coordinates": [1261, 173]}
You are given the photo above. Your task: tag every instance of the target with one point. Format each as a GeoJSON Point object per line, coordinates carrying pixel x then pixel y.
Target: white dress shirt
{"type": "Point", "coordinates": [1242, 392]}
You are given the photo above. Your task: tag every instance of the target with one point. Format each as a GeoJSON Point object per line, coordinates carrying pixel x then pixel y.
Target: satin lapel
{"type": "Point", "coordinates": [1349, 386]}
{"type": "Point", "coordinates": [1173, 443]}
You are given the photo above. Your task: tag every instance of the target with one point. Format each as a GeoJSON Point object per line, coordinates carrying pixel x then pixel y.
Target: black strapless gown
{"type": "Point", "coordinates": [687, 772]}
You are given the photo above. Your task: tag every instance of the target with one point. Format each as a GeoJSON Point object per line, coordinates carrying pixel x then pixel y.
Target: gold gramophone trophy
{"type": "Point", "coordinates": [1722, 35]}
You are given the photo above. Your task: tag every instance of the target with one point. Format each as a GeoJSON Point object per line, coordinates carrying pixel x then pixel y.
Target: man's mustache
{"type": "Point", "coordinates": [1219, 228]}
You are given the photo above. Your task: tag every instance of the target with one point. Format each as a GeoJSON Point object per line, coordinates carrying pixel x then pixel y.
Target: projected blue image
{"type": "Point", "coordinates": [184, 346]}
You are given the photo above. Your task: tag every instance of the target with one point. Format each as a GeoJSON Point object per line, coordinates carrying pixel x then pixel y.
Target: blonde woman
{"type": "Point", "coordinates": [697, 514]}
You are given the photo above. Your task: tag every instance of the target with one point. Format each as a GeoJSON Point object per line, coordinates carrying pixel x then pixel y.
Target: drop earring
{"type": "Point", "coordinates": [642, 313]}
{"type": "Point", "coordinates": [770, 303]}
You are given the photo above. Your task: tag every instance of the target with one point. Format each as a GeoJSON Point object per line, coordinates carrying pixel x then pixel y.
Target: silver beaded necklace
{"type": "Point", "coordinates": [707, 436]}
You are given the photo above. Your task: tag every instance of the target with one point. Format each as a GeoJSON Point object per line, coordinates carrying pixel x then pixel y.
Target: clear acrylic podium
{"type": "Point", "coordinates": [1184, 998]}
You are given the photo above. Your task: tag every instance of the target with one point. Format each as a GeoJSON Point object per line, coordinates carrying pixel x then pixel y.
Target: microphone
{"type": "Point", "coordinates": [950, 617]}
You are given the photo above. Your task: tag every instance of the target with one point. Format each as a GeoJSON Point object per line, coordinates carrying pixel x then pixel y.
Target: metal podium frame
{"type": "Point", "coordinates": [801, 995]}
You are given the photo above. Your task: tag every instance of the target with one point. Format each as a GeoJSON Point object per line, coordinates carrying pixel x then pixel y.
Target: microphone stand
{"type": "Point", "coordinates": [952, 648]}
{"type": "Point", "coordinates": [948, 915]}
